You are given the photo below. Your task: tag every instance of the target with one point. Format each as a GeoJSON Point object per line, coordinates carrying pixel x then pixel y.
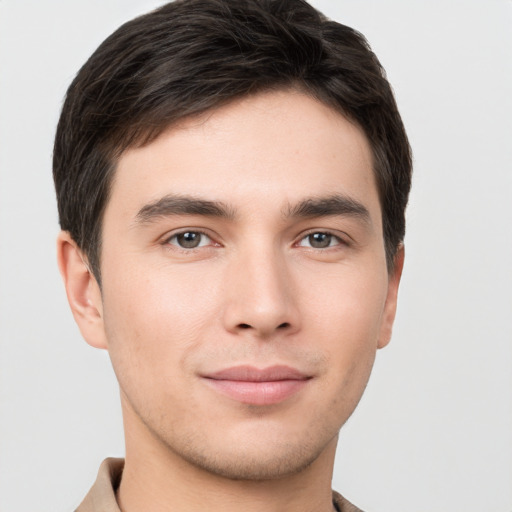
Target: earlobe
{"type": "Point", "coordinates": [82, 290]}
{"type": "Point", "coordinates": [391, 298]}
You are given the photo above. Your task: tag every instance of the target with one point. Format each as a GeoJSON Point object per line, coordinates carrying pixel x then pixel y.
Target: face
{"type": "Point", "coordinates": [244, 284]}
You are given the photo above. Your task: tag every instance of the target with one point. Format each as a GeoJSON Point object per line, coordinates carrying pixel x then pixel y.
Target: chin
{"type": "Point", "coordinates": [260, 457]}
{"type": "Point", "coordinates": [250, 466]}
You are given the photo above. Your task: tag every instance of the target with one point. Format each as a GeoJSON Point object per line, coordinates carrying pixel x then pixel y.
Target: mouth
{"type": "Point", "coordinates": [255, 386]}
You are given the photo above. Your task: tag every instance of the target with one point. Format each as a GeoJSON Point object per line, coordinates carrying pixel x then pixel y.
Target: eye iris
{"type": "Point", "coordinates": [189, 240]}
{"type": "Point", "coordinates": [320, 240]}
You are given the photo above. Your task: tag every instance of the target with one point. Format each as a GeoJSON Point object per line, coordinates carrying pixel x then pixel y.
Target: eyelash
{"type": "Point", "coordinates": [168, 240]}
{"type": "Point", "coordinates": [339, 240]}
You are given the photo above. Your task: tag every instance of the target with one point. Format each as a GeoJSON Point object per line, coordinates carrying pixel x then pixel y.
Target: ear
{"type": "Point", "coordinates": [82, 289]}
{"type": "Point", "coordinates": [390, 306]}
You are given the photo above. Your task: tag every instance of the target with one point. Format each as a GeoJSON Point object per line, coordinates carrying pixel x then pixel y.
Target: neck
{"type": "Point", "coordinates": [157, 479]}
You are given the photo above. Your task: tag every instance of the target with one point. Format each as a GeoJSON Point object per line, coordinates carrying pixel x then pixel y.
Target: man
{"type": "Point", "coordinates": [231, 180]}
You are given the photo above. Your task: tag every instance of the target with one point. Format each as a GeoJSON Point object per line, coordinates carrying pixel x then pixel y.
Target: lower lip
{"type": "Point", "coordinates": [258, 393]}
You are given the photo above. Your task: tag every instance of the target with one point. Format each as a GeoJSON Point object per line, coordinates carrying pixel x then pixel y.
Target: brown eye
{"type": "Point", "coordinates": [190, 240]}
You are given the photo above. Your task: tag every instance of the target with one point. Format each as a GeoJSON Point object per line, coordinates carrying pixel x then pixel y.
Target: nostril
{"type": "Point", "coordinates": [284, 325]}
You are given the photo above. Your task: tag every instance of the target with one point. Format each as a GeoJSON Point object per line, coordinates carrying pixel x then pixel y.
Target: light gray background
{"type": "Point", "coordinates": [434, 430]}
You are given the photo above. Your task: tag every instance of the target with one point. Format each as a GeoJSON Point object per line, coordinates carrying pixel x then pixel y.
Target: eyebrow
{"type": "Point", "coordinates": [171, 204]}
{"type": "Point", "coordinates": [333, 205]}
{"type": "Point", "coordinates": [182, 205]}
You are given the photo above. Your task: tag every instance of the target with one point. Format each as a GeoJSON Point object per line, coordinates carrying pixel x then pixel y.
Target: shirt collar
{"type": "Point", "coordinates": [102, 496]}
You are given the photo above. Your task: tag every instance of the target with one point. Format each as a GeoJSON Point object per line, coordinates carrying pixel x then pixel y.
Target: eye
{"type": "Point", "coordinates": [190, 240]}
{"type": "Point", "coordinates": [320, 240]}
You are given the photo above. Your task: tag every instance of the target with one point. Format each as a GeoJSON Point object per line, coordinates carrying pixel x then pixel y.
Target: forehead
{"type": "Point", "coordinates": [265, 151]}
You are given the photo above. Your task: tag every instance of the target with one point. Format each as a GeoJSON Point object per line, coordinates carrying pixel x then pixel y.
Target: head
{"type": "Point", "coordinates": [190, 57]}
{"type": "Point", "coordinates": [231, 178]}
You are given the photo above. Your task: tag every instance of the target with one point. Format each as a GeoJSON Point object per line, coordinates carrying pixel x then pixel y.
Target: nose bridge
{"type": "Point", "coordinates": [260, 295]}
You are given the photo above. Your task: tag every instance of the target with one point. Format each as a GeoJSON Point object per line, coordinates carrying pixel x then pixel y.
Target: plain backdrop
{"type": "Point", "coordinates": [434, 430]}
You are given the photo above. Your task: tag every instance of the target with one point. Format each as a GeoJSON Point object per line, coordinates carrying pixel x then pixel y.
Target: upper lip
{"type": "Point", "coordinates": [246, 373]}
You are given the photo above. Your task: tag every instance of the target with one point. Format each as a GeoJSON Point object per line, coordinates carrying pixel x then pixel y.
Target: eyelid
{"type": "Point", "coordinates": [342, 238]}
{"type": "Point", "coordinates": [166, 239]}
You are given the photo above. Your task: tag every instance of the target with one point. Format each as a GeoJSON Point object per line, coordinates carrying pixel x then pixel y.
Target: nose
{"type": "Point", "coordinates": [260, 296]}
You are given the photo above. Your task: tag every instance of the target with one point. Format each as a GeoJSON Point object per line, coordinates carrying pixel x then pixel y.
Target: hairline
{"type": "Point", "coordinates": [146, 137]}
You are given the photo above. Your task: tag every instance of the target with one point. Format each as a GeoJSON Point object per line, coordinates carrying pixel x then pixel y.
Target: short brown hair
{"type": "Point", "coordinates": [190, 56]}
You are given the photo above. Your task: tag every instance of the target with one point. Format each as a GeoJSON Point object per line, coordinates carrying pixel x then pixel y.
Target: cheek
{"type": "Point", "coordinates": [153, 320]}
{"type": "Point", "coordinates": [347, 304]}
{"type": "Point", "coordinates": [160, 300]}
{"type": "Point", "coordinates": [345, 323]}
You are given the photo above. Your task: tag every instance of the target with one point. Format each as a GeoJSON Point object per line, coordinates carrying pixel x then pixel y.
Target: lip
{"type": "Point", "coordinates": [258, 386]}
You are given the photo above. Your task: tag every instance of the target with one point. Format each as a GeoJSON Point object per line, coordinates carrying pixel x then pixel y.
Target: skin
{"type": "Point", "coordinates": [258, 290]}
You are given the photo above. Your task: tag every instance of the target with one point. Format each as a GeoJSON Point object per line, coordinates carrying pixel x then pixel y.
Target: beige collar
{"type": "Point", "coordinates": [102, 496]}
